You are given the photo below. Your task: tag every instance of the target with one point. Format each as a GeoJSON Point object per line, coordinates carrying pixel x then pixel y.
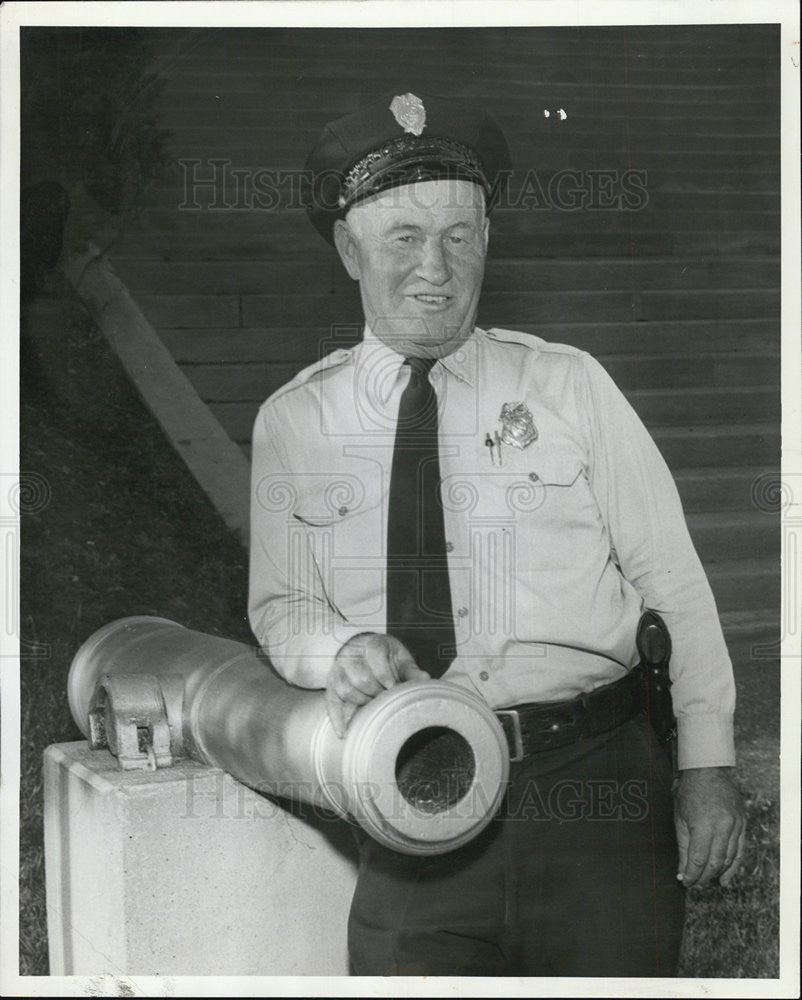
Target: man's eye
{"type": "Point", "coordinates": [405, 238]}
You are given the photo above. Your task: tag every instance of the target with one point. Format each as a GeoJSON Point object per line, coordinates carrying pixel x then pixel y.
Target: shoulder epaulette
{"type": "Point", "coordinates": [502, 336]}
{"type": "Point", "coordinates": [533, 342]}
{"type": "Point", "coordinates": [333, 360]}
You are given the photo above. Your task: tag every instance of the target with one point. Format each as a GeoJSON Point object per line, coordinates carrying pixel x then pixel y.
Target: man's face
{"type": "Point", "coordinates": [418, 252]}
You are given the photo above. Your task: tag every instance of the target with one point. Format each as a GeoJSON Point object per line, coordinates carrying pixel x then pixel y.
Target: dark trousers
{"type": "Point", "coordinates": [575, 877]}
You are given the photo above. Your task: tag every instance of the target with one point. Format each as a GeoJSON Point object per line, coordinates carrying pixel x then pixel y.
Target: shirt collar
{"type": "Point", "coordinates": [462, 363]}
{"type": "Point", "coordinates": [379, 365]}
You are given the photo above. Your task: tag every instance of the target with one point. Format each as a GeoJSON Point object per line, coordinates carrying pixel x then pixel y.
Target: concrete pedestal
{"type": "Point", "coordinates": [184, 871]}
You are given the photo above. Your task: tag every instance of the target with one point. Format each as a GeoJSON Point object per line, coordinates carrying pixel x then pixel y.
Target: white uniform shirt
{"type": "Point", "coordinates": [554, 549]}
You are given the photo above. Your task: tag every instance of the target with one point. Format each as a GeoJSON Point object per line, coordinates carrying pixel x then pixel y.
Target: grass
{"type": "Point", "coordinates": [128, 531]}
{"type": "Point", "coordinates": [735, 932]}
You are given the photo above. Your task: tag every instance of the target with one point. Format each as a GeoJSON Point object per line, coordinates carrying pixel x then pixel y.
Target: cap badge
{"type": "Point", "coordinates": [409, 112]}
{"type": "Point", "coordinates": [517, 425]}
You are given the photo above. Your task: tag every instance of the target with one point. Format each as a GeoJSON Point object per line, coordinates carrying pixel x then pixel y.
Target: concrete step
{"type": "Point", "coordinates": [752, 637]}
{"type": "Point", "coordinates": [137, 244]}
{"type": "Point", "coordinates": [260, 149]}
{"type": "Point", "coordinates": [664, 337]}
{"type": "Point", "coordinates": [433, 70]}
{"type": "Point", "coordinates": [638, 41]}
{"type": "Point", "coordinates": [702, 182]}
{"type": "Point", "coordinates": [246, 52]}
{"type": "Point", "coordinates": [191, 310]}
{"type": "Point", "coordinates": [238, 277]}
{"type": "Point", "coordinates": [237, 382]}
{"type": "Point", "coordinates": [666, 199]}
{"type": "Point", "coordinates": [255, 207]}
{"type": "Point", "coordinates": [516, 90]}
{"type": "Point", "coordinates": [232, 383]}
{"type": "Point", "coordinates": [261, 191]}
{"type": "Point", "coordinates": [503, 308]}
{"type": "Point", "coordinates": [318, 108]}
{"type": "Point", "coordinates": [656, 244]}
{"type": "Point", "coordinates": [248, 277]}
{"type": "Point", "coordinates": [499, 309]}
{"type": "Point", "coordinates": [721, 536]}
{"type": "Point", "coordinates": [236, 419]}
{"type": "Point", "coordinates": [531, 176]}
{"type": "Point", "coordinates": [619, 306]}
{"type": "Point", "coordinates": [639, 44]}
{"type": "Point", "coordinates": [644, 217]}
{"type": "Point", "coordinates": [739, 623]}
{"type": "Point", "coordinates": [720, 489]}
{"type": "Point", "coordinates": [221, 110]}
{"type": "Point", "coordinates": [695, 371]}
{"type": "Point", "coordinates": [706, 447]}
{"type": "Point", "coordinates": [627, 274]}
{"type": "Point", "coordinates": [243, 344]}
{"type": "Point", "coordinates": [603, 62]}
{"type": "Point", "coordinates": [745, 584]}
{"type": "Point", "coordinates": [297, 137]}
{"type": "Point", "coordinates": [695, 406]}
{"type": "Point", "coordinates": [297, 345]}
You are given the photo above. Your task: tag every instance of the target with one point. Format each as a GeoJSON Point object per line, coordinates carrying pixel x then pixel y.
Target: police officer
{"type": "Point", "coordinates": [443, 500]}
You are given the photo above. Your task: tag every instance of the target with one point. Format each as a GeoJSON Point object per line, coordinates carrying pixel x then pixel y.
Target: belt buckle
{"type": "Point", "coordinates": [516, 733]}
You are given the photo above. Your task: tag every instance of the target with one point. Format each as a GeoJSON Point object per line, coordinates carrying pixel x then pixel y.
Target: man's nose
{"type": "Point", "coordinates": [433, 266]}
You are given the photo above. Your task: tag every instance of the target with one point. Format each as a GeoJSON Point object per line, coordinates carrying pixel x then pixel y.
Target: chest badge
{"type": "Point", "coordinates": [517, 425]}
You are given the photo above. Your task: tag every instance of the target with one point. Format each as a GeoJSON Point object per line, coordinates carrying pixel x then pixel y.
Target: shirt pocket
{"type": "Point", "coordinates": [322, 499]}
{"type": "Point", "coordinates": [342, 518]}
{"type": "Point", "coordinates": [542, 502]}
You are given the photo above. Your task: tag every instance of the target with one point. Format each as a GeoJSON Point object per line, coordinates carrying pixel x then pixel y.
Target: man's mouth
{"type": "Point", "coordinates": [435, 300]}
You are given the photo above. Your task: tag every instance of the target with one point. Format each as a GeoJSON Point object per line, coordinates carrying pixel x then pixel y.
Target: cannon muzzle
{"type": "Point", "coordinates": [423, 766]}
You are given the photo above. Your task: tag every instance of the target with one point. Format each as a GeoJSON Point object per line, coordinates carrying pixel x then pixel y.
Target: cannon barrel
{"type": "Point", "coordinates": [423, 766]}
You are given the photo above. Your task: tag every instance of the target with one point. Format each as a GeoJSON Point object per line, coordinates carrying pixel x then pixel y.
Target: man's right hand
{"type": "Point", "coordinates": [366, 665]}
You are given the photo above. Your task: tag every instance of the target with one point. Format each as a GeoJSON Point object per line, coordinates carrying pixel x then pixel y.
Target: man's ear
{"type": "Point", "coordinates": [347, 248]}
{"type": "Point", "coordinates": [486, 231]}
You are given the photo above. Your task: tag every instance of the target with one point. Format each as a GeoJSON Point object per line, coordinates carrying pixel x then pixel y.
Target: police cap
{"type": "Point", "coordinates": [397, 140]}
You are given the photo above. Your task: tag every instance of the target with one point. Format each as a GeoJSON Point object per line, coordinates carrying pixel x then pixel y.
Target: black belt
{"type": "Point", "coordinates": [546, 725]}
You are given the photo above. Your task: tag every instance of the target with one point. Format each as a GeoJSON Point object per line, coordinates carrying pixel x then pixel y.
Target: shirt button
{"type": "Point", "coordinates": [462, 612]}
{"type": "Point", "coordinates": [342, 511]}
{"type": "Point", "coordinates": [449, 546]}
{"type": "Point", "coordinates": [484, 676]}
{"type": "Point", "coordinates": [534, 476]}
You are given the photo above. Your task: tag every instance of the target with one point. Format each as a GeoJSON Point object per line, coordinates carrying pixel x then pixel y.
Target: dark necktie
{"type": "Point", "coordinates": [419, 611]}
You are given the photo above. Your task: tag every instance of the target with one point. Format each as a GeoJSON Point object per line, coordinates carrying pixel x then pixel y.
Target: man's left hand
{"type": "Point", "coordinates": [711, 826]}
